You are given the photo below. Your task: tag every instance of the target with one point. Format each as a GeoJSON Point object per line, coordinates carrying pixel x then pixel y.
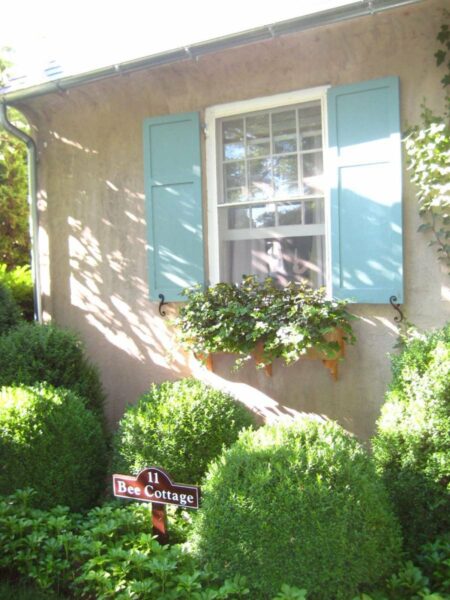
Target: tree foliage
{"type": "Point", "coordinates": [14, 227]}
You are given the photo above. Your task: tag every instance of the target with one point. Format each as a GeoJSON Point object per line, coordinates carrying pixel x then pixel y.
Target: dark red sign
{"type": "Point", "coordinates": [155, 485]}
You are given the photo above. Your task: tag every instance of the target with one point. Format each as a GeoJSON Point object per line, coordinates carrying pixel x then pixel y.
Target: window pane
{"type": "Point", "coordinates": [260, 178]}
{"type": "Point", "coordinates": [285, 259]}
{"type": "Point", "coordinates": [290, 213]}
{"type": "Point", "coordinates": [234, 174]}
{"type": "Point", "coordinates": [312, 173]}
{"type": "Point", "coordinates": [314, 213]}
{"type": "Point", "coordinates": [263, 215]}
{"type": "Point", "coordinates": [236, 194]}
{"type": "Point", "coordinates": [311, 142]}
{"type": "Point", "coordinates": [233, 139]}
{"type": "Point", "coordinates": [285, 175]}
{"type": "Point", "coordinates": [238, 218]}
{"type": "Point", "coordinates": [258, 137]}
{"type": "Point", "coordinates": [284, 131]}
{"type": "Point", "coordinates": [310, 118]}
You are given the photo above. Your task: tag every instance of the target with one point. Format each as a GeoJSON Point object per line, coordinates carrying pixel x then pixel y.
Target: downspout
{"type": "Point", "coordinates": [32, 203]}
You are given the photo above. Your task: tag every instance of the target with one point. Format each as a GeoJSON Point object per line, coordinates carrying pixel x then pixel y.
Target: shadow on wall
{"type": "Point", "coordinates": [98, 284]}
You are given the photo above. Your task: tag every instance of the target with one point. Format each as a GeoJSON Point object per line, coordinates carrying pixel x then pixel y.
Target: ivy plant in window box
{"type": "Point", "coordinates": [264, 321]}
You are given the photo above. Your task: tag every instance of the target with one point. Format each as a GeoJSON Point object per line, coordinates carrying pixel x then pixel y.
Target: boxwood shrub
{"type": "Point", "coordinates": [52, 442]}
{"type": "Point", "coordinates": [412, 443]}
{"type": "Point", "coordinates": [299, 504]}
{"type": "Point", "coordinates": [34, 353]}
{"type": "Point", "coordinates": [179, 426]}
{"type": "Point", "coordinates": [9, 311]}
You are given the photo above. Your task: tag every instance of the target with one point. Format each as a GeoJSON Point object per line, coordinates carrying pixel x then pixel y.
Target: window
{"type": "Point", "coordinates": [304, 185]}
{"type": "Point", "coordinates": [268, 212]}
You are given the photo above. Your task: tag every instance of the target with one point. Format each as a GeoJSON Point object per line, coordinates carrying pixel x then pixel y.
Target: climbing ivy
{"type": "Point", "coordinates": [428, 158]}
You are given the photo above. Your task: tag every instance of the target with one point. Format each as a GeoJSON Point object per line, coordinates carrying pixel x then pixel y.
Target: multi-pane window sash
{"type": "Point", "coordinates": [271, 201]}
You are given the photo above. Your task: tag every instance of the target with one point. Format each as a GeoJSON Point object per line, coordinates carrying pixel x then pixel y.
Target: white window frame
{"type": "Point", "coordinates": [212, 114]}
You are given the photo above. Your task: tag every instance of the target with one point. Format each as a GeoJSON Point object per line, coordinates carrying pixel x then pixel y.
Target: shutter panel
{"type": "Point", "coordinates": [172, 167]}
{"type": "Point", "coordinates": [366, 191]}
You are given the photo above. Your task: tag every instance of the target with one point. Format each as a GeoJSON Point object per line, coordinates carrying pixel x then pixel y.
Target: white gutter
{"type": "Point", "coordinates": [342, 13]}
{"type": "Point", "coordinates": [32, 202]}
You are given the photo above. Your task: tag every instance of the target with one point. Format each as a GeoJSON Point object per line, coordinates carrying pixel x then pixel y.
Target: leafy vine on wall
{"type": "Point", "coordinates": [428, 158]}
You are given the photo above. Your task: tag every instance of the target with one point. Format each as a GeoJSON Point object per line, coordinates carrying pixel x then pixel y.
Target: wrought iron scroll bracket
{"type": "Point", "coordinates": [396, 306]}
{"type": "Point", "coordinates": [161, 304]}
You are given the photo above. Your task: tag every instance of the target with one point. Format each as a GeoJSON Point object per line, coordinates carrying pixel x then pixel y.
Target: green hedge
{"type": "Point", "coordinates": [52, 442]}
{"type": "Point", "coordinates": [19, 282]}
{"type": "Point", "coordinates": [299, 504]}
{"type": "Point", "coordinates": [35, 353]}
{"type": "Point", "coordinates": [412, 443]}
{"type": "Point", "coordinates": [180, 427]}
{"type": "Point", "coordinates": [9, 311]}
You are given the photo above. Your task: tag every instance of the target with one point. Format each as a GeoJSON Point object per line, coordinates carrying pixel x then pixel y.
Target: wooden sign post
{"type": "Point", "coordinates": [154, 485]}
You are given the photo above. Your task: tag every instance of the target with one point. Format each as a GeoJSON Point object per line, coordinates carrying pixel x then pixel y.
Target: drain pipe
{"type": "Point", "coordinates": [32, 203]}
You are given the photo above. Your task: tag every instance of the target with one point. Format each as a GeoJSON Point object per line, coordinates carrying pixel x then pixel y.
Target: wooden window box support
{"type": "Point", "coordinates": [332, 364]}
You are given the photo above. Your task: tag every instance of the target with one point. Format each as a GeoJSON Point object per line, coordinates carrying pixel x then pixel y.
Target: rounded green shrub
{"type": "Point", "coordinates": [179, 426]}
{"type": "Point", "coordinates": [51, 442]}
{"type": "Point", "coordinates": [412, 442]}
{"type": "Point", "coordinates": [298, 504]}
{"type": "Point", "coordinates": [33, 353]}
{"type": "Point", "coordinates": [9, 311]}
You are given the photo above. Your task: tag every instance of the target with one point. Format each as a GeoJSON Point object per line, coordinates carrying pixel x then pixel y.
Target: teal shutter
{"type": "Point", "coordinates": [366, 190]}
{"type": "Point", "coordinates": [172, 167]}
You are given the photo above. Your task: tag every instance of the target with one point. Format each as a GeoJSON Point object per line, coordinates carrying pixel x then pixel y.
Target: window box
{"type": "Point", "coordinates": [261, 321]}
{"type": "Point", "coordinates": [332, 364]}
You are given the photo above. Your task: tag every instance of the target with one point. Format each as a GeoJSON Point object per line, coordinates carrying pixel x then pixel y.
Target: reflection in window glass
{"type": "Point", "coordinates": [233, 140]}
{"type": "Point", "coordinates": [239, 218]}
{"type": "Point", "coordinates": [314, 212]}
{"type": "Point", "coordinates": [290, 213]}
{"type": "Point", "coordinates": [272, 171]}
{"type": "Point", "coordinates": [284, 131]}
{"type": "Point", "coordinates": [235, 174]}
{"type": "Point", "coordinates": [263, 216]}
{"type": "Point", "coordinates": [285, 175]}
{"type": "Point", "coordinates": [260, 178]}
{"type": "Point", "coordinates": [286, 259]}
{"type": "Point", "coordinates": [258, 136]}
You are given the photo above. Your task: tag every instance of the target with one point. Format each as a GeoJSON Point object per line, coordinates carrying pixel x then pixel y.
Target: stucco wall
{"type": "Point", "coordinates": [93, 232]}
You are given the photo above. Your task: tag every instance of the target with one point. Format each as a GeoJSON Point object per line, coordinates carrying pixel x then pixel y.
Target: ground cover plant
{"type": "Point", "coordinates": [412, 443]}
{"type": "Point", "coordinates": [107, 554]}
{"type": "Point", "coordinates": [297, 504]}
{"type": "Point", "coordinates": [180, 426]}
{"type": "Point", "coordinates": [51, 441]}
{"type": "Point", "coordinates": [33, 353]}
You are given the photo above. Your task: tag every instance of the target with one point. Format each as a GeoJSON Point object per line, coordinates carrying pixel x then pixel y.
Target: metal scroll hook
{"type": "Point", "coordinates": [161, 304]}
{"type": "Point", "coordinates": [396, 306]}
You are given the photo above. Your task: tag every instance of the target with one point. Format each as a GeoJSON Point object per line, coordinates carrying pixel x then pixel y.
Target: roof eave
{"type": "Point", "coordinates": [342, 13]}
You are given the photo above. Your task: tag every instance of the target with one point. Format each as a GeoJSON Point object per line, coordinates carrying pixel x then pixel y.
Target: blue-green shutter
{"type": "Point", "coordinates": [172, 167]}
{"type": "Point", "coordinates": [366, 191]}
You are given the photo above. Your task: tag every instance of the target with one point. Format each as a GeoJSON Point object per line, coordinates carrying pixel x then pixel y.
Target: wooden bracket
{"type": "Point", "coordinates": [332, 364]}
